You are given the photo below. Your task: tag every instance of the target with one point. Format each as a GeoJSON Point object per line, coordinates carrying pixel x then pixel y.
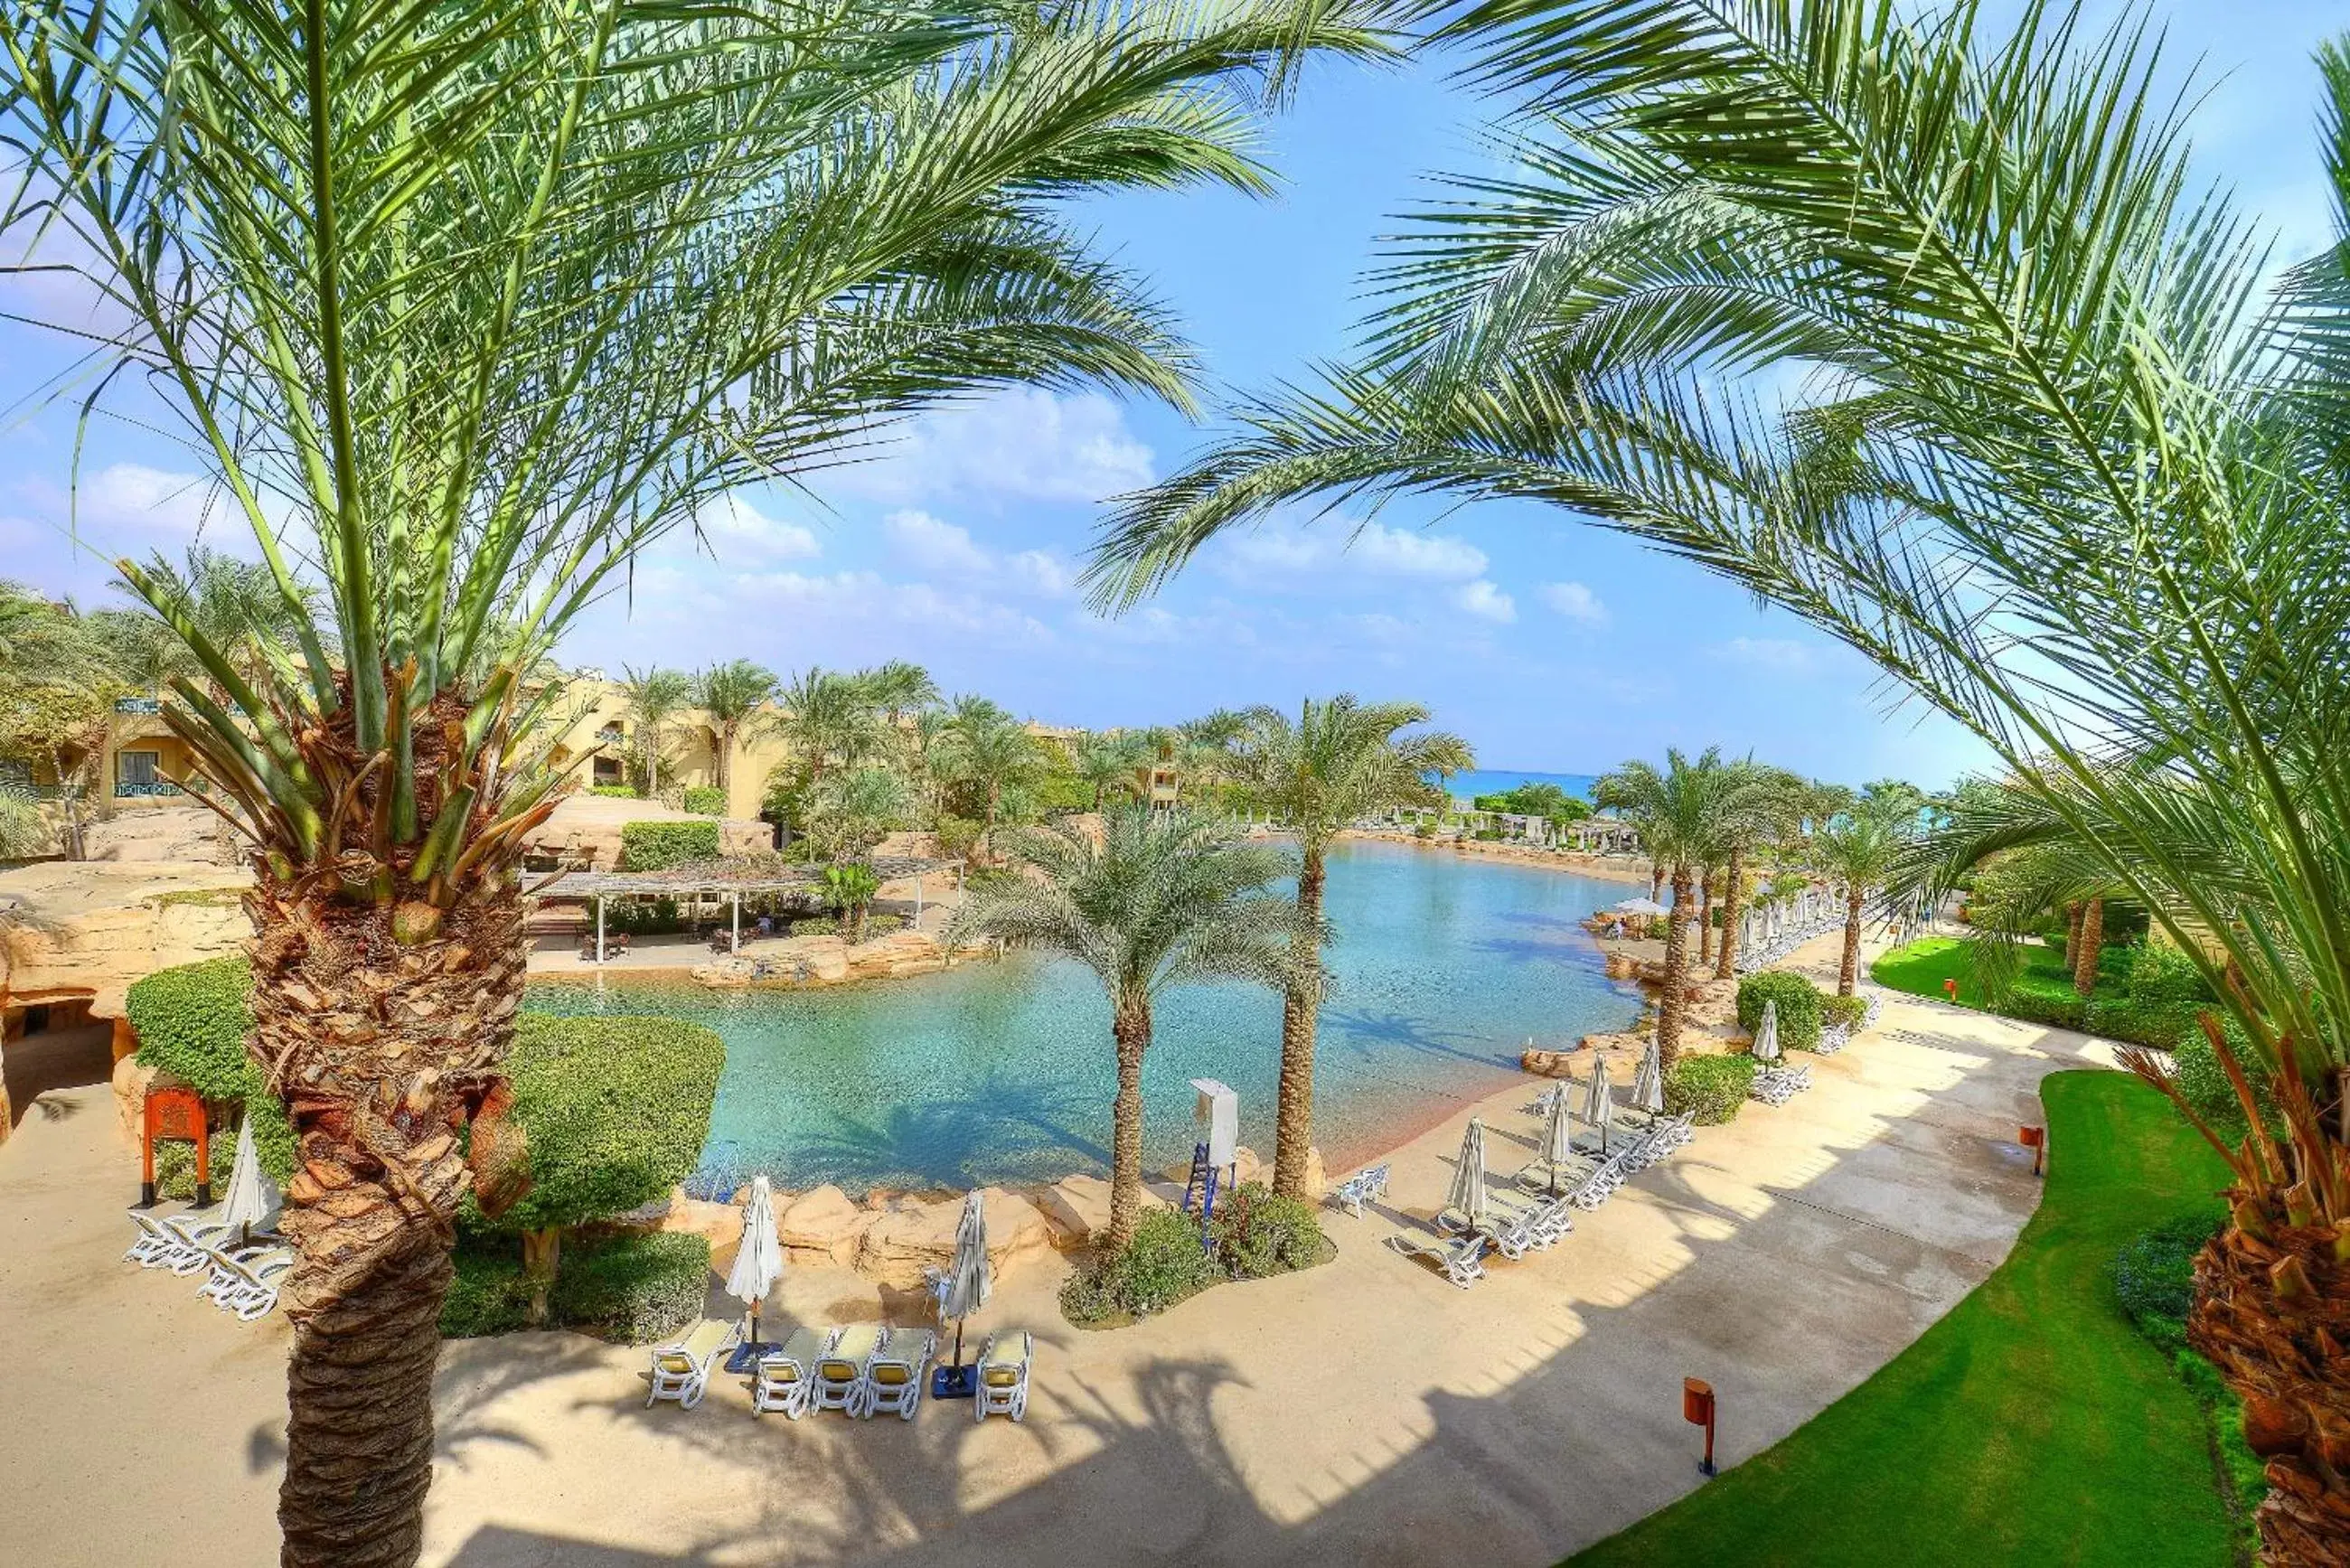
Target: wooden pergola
{"type": "Point", "coordinates": [730, 879]}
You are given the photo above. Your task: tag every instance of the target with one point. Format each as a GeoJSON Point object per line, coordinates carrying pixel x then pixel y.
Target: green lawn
{"type": "Point", "coordinates": [2030, 1425]}
{"type": "Point", "coordinates": [1923, 966]}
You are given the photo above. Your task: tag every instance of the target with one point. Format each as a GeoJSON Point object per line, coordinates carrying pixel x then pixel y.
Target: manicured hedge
{"type": "Point", "coordinates": [1800, 1015]}
{"type": "Point", "coordinates": [191, 1021]}
{"type": "Point", "coordinates": [2153, 999]}
{"type": "Point", "coordinates": [1847, 1010]}
{"type": "Point", "coordinates": [1709, 1090]}
{"type": "Point", "coordinates": [658, 845]}
{"type": "Point", "coordinates": [614, 1112]}
{"type": "Point", "coordinates": [1256, 1233]}
{"type": "Point", "coordinates": [488, 1296]}
{"type": "Point", "coordinates": [704, 799]}
{"type": "Point", "coordinates": [635, 1289]}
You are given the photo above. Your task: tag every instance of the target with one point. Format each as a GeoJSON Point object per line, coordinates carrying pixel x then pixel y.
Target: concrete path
{"type": "Point", "coordinates": [1364, 1412]}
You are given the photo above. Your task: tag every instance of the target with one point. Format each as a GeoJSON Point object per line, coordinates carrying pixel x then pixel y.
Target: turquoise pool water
{"type": "Point", "coordinates": [1001, 1071]}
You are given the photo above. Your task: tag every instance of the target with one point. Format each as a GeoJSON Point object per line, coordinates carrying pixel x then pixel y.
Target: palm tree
{"type": "Point", "coordinates": [898, 688]}
{"type": "Point", "coordinates": [850, 810]}
{"type": "Point", "coordinates": [985, 748]}
{"type": "Point", "coordinates": [1770, 793]}
{"type": "Point", "coordinates": [651, 700]}
{"type": "Point", "coordinates": [827, 717]}
{"type": "Point", "coordinates": [234, 605]}
{"type": "Point", "coordinates": [1338, 759]}
{"type": "Point", "coordinates": [1686, 814]}
{"type": "Point", "coordinates": [1107, 763]}
{"type": "Point", "coordinates": [1158, 901]}
{"type": "Point", "coordinates": [2058, 411]}
{"type": "Point", "coordinates": [1859, 848]}
{"type": "Point", "coordinates": [732, 693]}
{"type": "Point", "coordinates": [463, 305]}
{"type": "Point", "coordinates": [849, 889]}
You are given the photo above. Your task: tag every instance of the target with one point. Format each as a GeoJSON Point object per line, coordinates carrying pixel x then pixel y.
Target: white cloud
{"type": "Point", "coordinates": [867, 598]}
{"type": "Point", "coordinates": [931, 544]}
{"type": "Point", "coordinates": [739, 534]}
{"type": "Point", "coordinates": [1043, 574]}
{"type": "Point", "coordinates": [1290, 549]}
{"type": "Point", "coordinates": [1779, 654]}
{"type": "Point", "coordinates": [1483, 599]}
{"type": "Point", "coordinates": [1575, 602]}
{"type": "Point", "coordinates": [1024, 444]}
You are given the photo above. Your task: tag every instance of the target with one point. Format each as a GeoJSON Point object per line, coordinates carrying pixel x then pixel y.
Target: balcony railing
{"type": "Point", "coordinates": [156, 790]}
{"type": "Point", "coordinates": [136, 705]}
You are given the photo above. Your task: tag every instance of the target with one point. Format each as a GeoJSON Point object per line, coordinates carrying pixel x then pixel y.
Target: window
{"type": "Point", "coordinates": [607, 770]}
{"type": "Point", "coordinates": [138, 767]}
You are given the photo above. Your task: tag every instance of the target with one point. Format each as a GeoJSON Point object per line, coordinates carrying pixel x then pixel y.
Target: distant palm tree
{"type": "Point", "coordinates": [850, 810]}
{"type": "Point", "coordinates": [1160, 899]}
{"type": "Point", "coordinates": [850, 889]}
{"type": "Point", "coordinates": [1338, 759]}
{"type": "Point", "coordinates": [1860, 848]}
{"type": "Point", "coordinates": [986, 748]}
{"type": "Point", "coordinates": [827, 718]}
{"type": "Point", "coordinates": [652, 699]}
{"type": "Point", "coordinates": [898, 688]}
{"type": "Point", "coordinates": [731, 694]}
{"type": "Point", "coordinates": [1772, 789]}
{"type": "Point", "coordinates": [1686, 814]}
{"type": "Point", "coordinates": [1107, 763]}
{"type": "Point", "coordinates": [236, 606]}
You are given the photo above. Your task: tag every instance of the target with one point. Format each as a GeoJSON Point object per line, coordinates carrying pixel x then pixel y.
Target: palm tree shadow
{"type": "Point", "coordinates": [959, 1141]}
{"type": "Point", "coordinates": [1365, 1031]}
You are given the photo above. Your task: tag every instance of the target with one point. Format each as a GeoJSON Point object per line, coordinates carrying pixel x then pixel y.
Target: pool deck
{"type": "Point", "coordinates": [1363, 1412]}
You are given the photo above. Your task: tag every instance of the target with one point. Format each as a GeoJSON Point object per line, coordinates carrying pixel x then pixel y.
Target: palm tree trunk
{"type": "Point", "coordinates": [1655, 883]}
{"type": "Point", "coordinates": [382, 1047]}
{"type": "Point", "coordinates": [1705, 918]}
{"type": "Point", "coordinates": [1731, 908]}
{"type": "Point", "coordinates": [725, 756]}
{"type": "Point", "coordinates": [2073, 935]}
{"type": "Point", "coordinates": [1848, 972]}
{"type": "Point", "coordinates": [542, 1255]}
{"type": "Point", "coordinates": [1675, 1004]}
{"type": "Point", "coordinates": [1131, 1029]}
{"type": "Point", "coordinates": [1293, 1135]}
{"type": "Point", "coordinates": [2088, 938]}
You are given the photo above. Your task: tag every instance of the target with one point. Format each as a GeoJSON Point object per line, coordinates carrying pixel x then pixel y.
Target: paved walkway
{"type": "Point", "coordinates": [1364, 1412]}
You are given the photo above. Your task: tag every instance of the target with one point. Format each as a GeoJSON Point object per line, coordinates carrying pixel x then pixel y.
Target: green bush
{"type": "Point", "coordinates": [191, 1023]}
{"type": "Point", "coordinates": [613, 1111]}
{"type": "Point", "coordinates": [634, 1289]}
{"type": "Point", "coordinates": [816, 926]}
{"type": "Point", "coordinates": [658, 845]}
{"type": "Point", "coordinates": [1260, 1232]}
{"type": "Point", "coordinates": [639, 918]}
{"type": "Point", "coordinates": [882, 925]}
{"type": "Point", "coordinates": [704, 799]}
{"type": "Point", "coordinates": [958, 836]}
{"type": "Point", "coordinates": [2148, 995]}
{"type": "Point", "coordinates": [1709, 1089]}
{"type": "Point", "coordinates": [1799, 1000]}
{"type": "Point", "coordinates": [616, 792]}
{"type": "Point", "coordinates": [1160, 1266]}
{"type": "Point", "coordinates": [2154, 1274]}
{"type": "Point", "coordinates": [2204, 1083]}
{"type": "Point", "coordinates": [1847, 1010]}
{"type": "Point", "coordinates": [489, 1294]}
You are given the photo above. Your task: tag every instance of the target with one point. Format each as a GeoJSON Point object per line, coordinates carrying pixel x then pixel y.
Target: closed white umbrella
{"type": "Point", "coordinates": [1558, 1134]}
{"type": "Point", "coordinates": [1766, 1034]}
{"type": "Point", "coordinates": [1468, 1194]}
{"type": "Point", "coordinates": [1648, 1083]}
{"type": "Point", "coordinates": [759, 1260]}
{"type": "Point", "coordinates": [969, 1280]}
{"type": "Point", "coordinates": [252, 1196]}
{"type": "Point", "coordinates": [1599, 1104]}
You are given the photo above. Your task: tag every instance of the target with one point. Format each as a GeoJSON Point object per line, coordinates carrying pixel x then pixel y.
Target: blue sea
{"type": "Point", "coordinates": [1495, 780]}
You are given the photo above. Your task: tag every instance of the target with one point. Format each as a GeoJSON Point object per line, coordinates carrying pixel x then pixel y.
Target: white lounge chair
{"type": "Point", "coordinates": [783, 1378]}
{"type": "Point", "coordinates": [244, 1282]}
{"type": "Point", "coordinates": [839, 1383]}
{"type": "Point", "coordinates": [1361, 1188]}
{"type": "Point", "coordinates": [1460, 1261]}
{"type": "Point", "coordinates": [893, 1374]}
{"type": "Point", "coordinates": [680, 1369]}
{"type": "Point", "coordinates": [154, 1243]}
{"type": "Point", "coordinates": [1002, 1386]}
{"type": "Point", "coordinates": [197, 1231]}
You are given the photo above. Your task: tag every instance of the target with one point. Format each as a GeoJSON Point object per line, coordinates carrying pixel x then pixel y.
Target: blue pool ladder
{"type": "Point", "coordinates": [1204, 1182]}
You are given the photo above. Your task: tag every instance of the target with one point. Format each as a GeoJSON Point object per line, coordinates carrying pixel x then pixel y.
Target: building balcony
{"type": "Point", "coordinates": [157, 789]}
{"type": "Point", "coordinates": [136, 705]}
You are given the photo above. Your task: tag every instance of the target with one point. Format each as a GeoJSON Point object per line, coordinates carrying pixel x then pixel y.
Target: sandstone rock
{"type": "Point", "coordinates": [1317, 1178]}
{"type": "Point", "coordinates": [821, 1227]}
{"type": "Point", "coordinates": [720, 1224]}
{"type": "Point", "coordinates": [1077, 1206]}
{"type": "Point", "coordinates": [89, 928]}
{"type": "Point", "coordinates": [899, 1244]}
{"type": "Point", "coordinates": [1549, 1064]}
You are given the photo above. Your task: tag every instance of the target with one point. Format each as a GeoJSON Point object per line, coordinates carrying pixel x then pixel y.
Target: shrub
{"type": "Point", "coordinates": [2154, 1275]}
{"type": "Point", "coordinates": [1259, 1233]}
{"type": "Point", "coordinates": [816, 926]}
{"type": "Point", "coordinates": [1160, 1266]}
{"type": "Point", "coordinates": [1847, 1010]}
{"type": "Point", "coordinates": [616, 792]}
{"type": "Point", "coordinates": [957, 836]}
{"type": "Point", "coordinates": [2203, 1082]}
{"type": "Point", "coordinates": [882, 925]}
{"type": "Point", "coordinates": [2156, 995]}
{"type": "Point", "coordinates": [1799, 1007]}
{"type": "Point", "coordinates": [703, 800]}
{"type": "Point", "coordinates": [639, 918]}
{"type": "Point", "coordinates": [175, 1167]}
{"type": "Point", "coordinates": [1709, 1089]}
{"type": "Point", "coordinates": [635, 1289]}
{"type": "Point", "coordinates": [191, 1021]}
{"type": "Point", "coordinates": [658, 845]}
{"type": "Point", "coordinates": [1424, 830]}
{"type": "Point", "coordinates": [489, 1295]}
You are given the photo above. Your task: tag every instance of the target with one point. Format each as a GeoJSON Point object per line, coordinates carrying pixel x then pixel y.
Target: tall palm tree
{"type": "Point", "coordinates": [1160, 899]}
{"type": "Point", "coordinates": [1770, 790]}
{"type": "Point", "coordinates": [652, 700]}
{"type": "Point", "coordinates": [463, 303]}
{"type": "Point", "coordinates": [1687, 812]}
{"type": "Point", "coordinates": [987, 749]}
{"type": "Point", "coordinates": [898, 688]}
{"type": "Point", "coordinates": [1860, 848]}
{"type": "Point", "coordinates": [850, 810]}
{"type": "Point", "coordinates": [2058, 411]}
{"type": "Point", "coordinates": [1338, 759]}
{"type": "Point", "coordinates": [731, 694]}
{"type": "Point", "coordinates": [1107, 763]}
{"type": "Point", "coordinates": [827, 718]}
{"type": "Point", "coordinates": [234, 605]}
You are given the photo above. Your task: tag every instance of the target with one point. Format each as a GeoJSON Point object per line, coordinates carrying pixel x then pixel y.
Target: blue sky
{"type": "Point", "coordinates": [1550, 645]}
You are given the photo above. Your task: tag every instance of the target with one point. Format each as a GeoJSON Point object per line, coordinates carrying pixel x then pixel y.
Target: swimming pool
{"type": "Point", "coordinates": [1001, 1070]}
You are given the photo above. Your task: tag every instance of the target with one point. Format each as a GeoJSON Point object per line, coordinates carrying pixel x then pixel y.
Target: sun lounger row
{"type": "Point", "coordinates": [862, 1370]}
{"type": "Point", "coordinates": [241, 1276]}
{"type": "Point", "coordinates": [1461, 1261]}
